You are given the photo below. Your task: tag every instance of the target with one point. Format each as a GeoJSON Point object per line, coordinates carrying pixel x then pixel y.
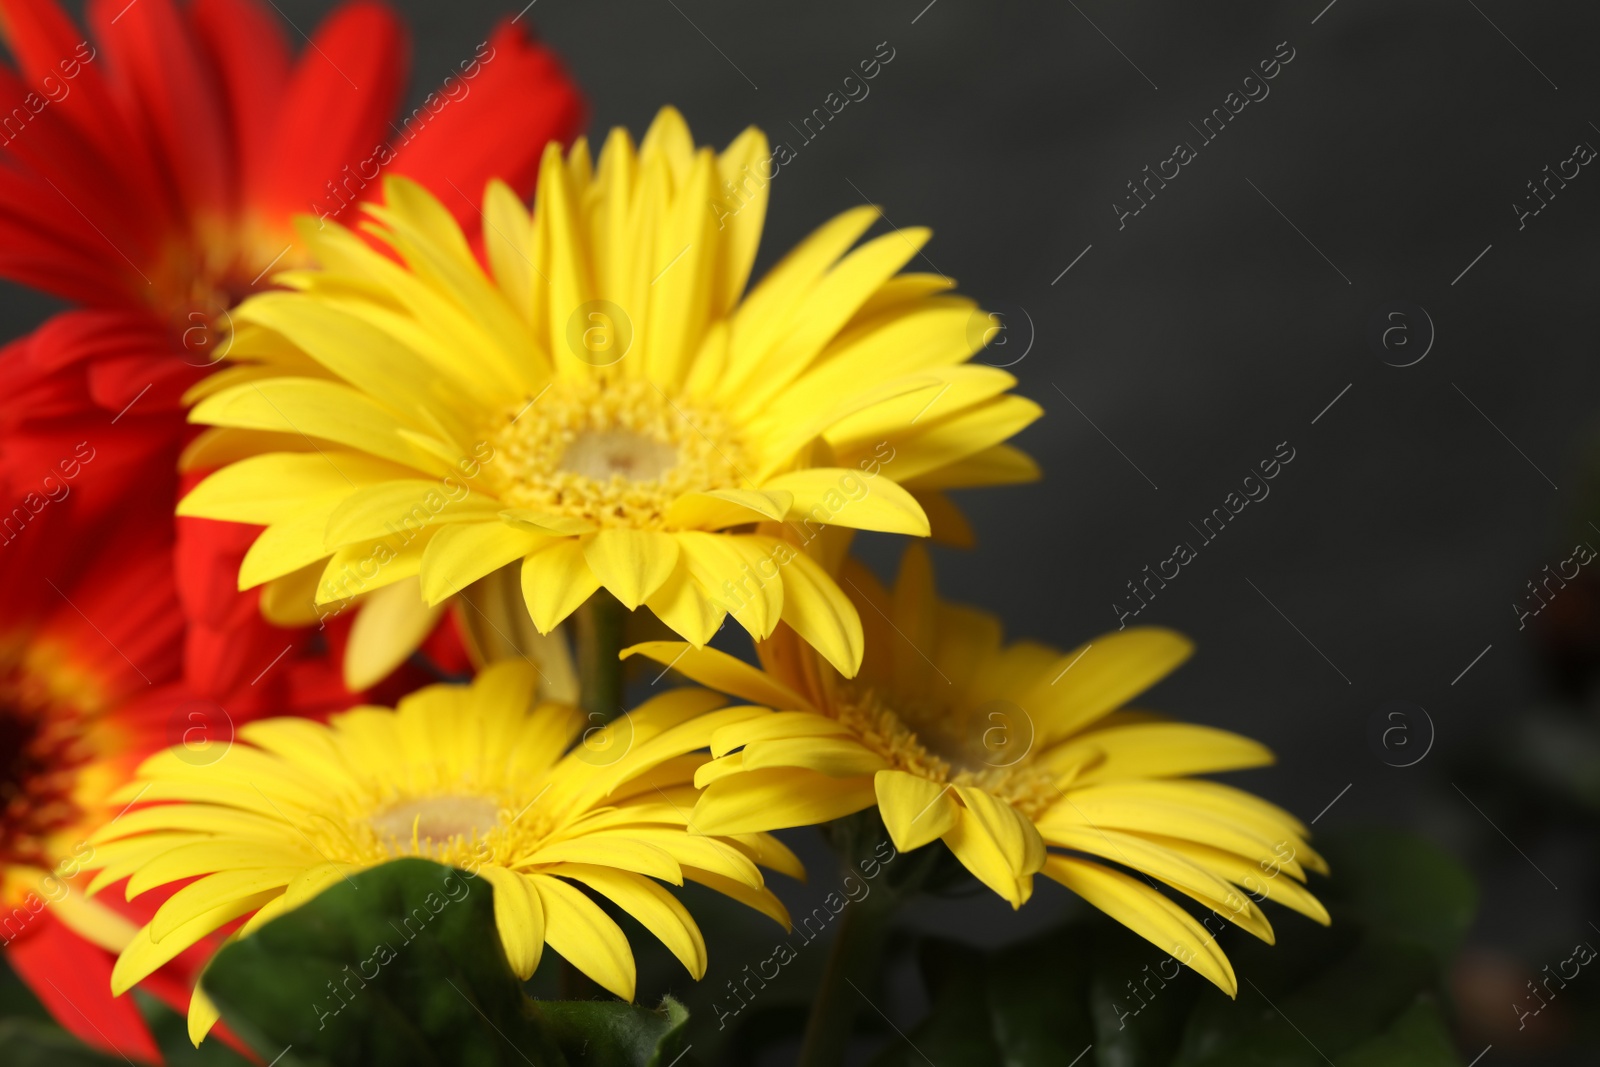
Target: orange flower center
{"type": "Point", "coordinates": [196, 284]}
{"type": "Point", "coordinates": [42, 751]}
{"type": "Point", "coordinates": [612, 451]}
{"type": "Point", "coordinates": [436, 820]}
{"type": "Point", "coordinates": [988, 747]}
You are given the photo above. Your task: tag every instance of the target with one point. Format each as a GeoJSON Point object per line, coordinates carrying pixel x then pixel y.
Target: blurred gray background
{"type": "Point", "coordinates": [1221, 320]}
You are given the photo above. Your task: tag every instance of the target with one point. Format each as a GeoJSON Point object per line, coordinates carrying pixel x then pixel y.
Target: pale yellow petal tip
{"type": "Point", "coordinates": [1313, 861]}
{"type": "Point", "coordinates": [1163, 641]}
{"type": "Point", "coordinates": [120, 982]}
{"type": "Point", "coordinates": [203, 1015]}
{"type": "Point", "coordinates": [397, 188]}
{"type": "Point", "coordinates": [668, 120]}
{"type": "Point", "coordinates": [1030, 469]}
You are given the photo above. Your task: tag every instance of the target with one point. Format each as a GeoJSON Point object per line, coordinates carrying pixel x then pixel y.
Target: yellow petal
{"type": "Point", "coordinates": [999, 465]}
{"type": "Point", "coordinates": [585, 936]}
{"type": "Point", "coordinates": [290, 544]}
{"type": "Point", "coordinates": [144, 957]}
{"type": "Point", "coordinates": [507, 237]}
{"type": "Point", "coordinates": [718, 670]}
{"type": "Point", "coordinates": [738, 166]}
{"type": "Point", "coordinates": [762, 900]}
{"type": "Point", "coordinates": [954, 439]}
{"type": "Point", "coordinates": [1148, 914]}
{"type": "Point", "coordinates": [402, 507]}
{"type": "Point", "coordinates": [682, 603]}
{"type": "Point", "coordinates": [1158, 861]}
{"type": "Point", "coordinates": [273, 487]}
{"type": "Point", "coordinates": [208, 855]}
{"type": "Point", "coordinates": [462, 553]}
{"type": "Point", "coordinates": [94, 922]}
{"type": "Point", "coordinates": [291, 601]}
{"type": "Point", "coordinates": [997, 844]}
{"type": "Point", "coordinates": [392, 623]}
{"type": "Point", "coordinates": [617, 850]}
{"type": "Point", "coordinates": [212, 891]}
{"type": "Point", "coordinates": [519, 916]}
{"type": "Point", "coordinates": [782, 724]}
{"type": "Point", "coordinates": [203, 1015]}
{"type": "Point", "coordinates": [915, 810]}
{"type": "Point", "coordinates": [771, 853]}
{"type": "Point", "coordinates": [836, 757]}
{"type": "Point", "coordinates": [1158, 750]}
{"type": "Point", "coordinates": [632, 564]}
{"type": "Point", "coordinates": [1170, 820]}
{"type": "Point", "coordinates": [820, 613]}
{"type": "Point", "coordinates": [776, 799]}
{"type": "Point", "coordinates": [837, 496]}
{"type": "Point", "coordinates": [1102, 676]}
{"type": "Point", "coordinates": [718, 508]}
{"type": "Point", "coordinates": [329, 411]}
{"type": "Point", "coordinates": [556, 580]}
{"type": "Point", "coordinates": [542, 522]}
{"type": "Point", "coordinates": [740, 573]}
{"type": "Point", "coordinates": [656, 910]}
{"type": "Point", "coordinates": [1256, 877]}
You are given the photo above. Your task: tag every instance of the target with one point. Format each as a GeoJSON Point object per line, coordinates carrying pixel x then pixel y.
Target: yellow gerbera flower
{"type": "Point", "coordinates": [605, 405]}
{"type": "Point", "coordinates": [475, 777]}
{"type": "Point", "coordinates": [1015, 755]}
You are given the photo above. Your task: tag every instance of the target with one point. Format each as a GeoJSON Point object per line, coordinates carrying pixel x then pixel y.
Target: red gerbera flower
{"type": "Point", "coordinates": [91, 683]}
{"type": "Point", "coordinates": [72, 651]}
{"type": "Point", "coordinates": [151, 169]}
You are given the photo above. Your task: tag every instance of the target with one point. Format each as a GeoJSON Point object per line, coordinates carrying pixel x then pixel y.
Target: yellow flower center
{"type": "Point", "coordinates": [615, 452]}
{"type": "Point", "coordinates": [451, 821]}
{"type": "Point", "coordinates": [966, 746]}
{"type": "Point", "coordinates": [436, 819]}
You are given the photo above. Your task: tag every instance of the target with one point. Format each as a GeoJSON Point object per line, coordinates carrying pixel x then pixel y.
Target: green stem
{"type": "Point", "coordinates": [600, 623]}
{"type": "Point", "coordinates": [855, 957]}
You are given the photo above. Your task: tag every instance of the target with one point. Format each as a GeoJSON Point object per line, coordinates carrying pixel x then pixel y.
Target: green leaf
{"type": "Point", "coordinates": [958, 1026]}
{"type": "Point", "coordinates": [402, 964]}
{"type": "Point", "coordinates": [171, 1032]}
{"type": "Point", "coordinates": [1342, 1005]}
{"type": "Point", "coordinates": [27, 1043]}
{"type": "Point", "coordinates": [1029, 1024]}
{"type": "Point", "coordinates": [616, 1034]}
{"type": "Point", "coordinates": [1021, 1006]}
{"type": "Point", "coordinates": [1420, 1037]}
{"type": "Point", "coordinates": [1401, 887]}
{"type": "Point", "coordinates": [1363, 993]}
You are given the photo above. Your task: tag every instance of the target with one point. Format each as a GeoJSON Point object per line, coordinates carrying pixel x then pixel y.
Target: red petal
{"type": "Point", "coordinates": [55, 57]}
{"type": "Point", "coordinates": [72, 979]}
{"type": "Point", "coordinates": [168, 83]}
{"type": "Point", "coordinates": [493, 124]}
{"type": "Point", "coordinates": [335, 113]}
{"type": "Point", "coordinates": [251, 57]}
{"type": "Point", "coordinates": [58, 251]}
{"type": "Point", "coordinates": [56, 170]}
